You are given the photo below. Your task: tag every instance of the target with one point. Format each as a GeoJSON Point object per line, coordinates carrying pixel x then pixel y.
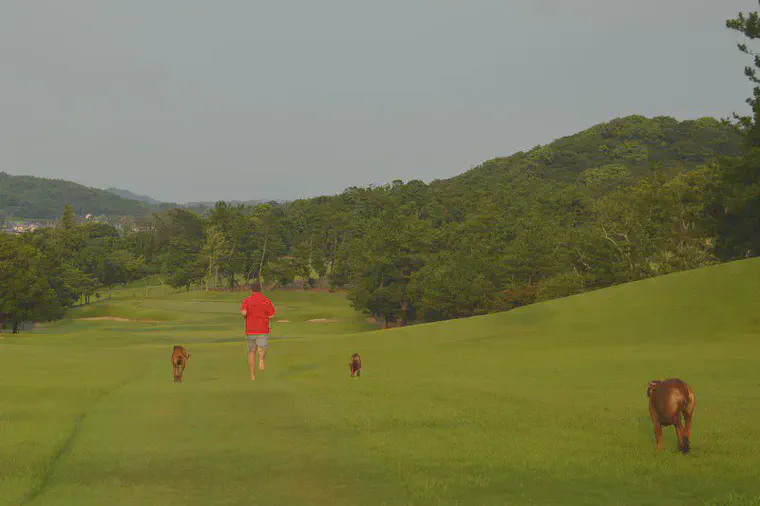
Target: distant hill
{"type": "Point", "coordinates": [206, 205]}
{"type": "Point", "coordinates": [212, 203]}
{"type": "Point", "coordinates": [126, 194]}
{"type": "Point", "coordinates": [43, 198]}
{"type": "Point", "coordinates": [197, 206]}
{"type": "Point", "coordinates": [636, 142]}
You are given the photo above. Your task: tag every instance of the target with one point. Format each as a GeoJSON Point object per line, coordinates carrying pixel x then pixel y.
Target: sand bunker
{"type": "Point", "coordinates": [118, 319]}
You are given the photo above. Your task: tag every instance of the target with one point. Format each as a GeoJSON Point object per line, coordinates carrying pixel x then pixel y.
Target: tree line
{"type": "Point", "coordinates": [619, 202]}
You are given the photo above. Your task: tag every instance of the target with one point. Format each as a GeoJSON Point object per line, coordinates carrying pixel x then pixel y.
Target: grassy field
{"type": "Point", "coordinates": [542, 405]}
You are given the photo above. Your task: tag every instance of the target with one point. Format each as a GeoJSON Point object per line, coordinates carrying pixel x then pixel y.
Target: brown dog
{"type": "Point", "coordinates": [355, 364]}
{"type": "Point", "coordinates": [668, 400]}
{"type": "Point", "coordinates": [179, 361]}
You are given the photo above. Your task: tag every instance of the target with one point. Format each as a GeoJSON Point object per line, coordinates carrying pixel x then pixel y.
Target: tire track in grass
{"type": "Point", "coordinates": [65, 446]}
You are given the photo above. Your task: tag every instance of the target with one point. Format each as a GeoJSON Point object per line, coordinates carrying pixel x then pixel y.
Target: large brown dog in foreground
{"type": "Point", "coordinates": [668, 400]}
{"type": "Point", "coordinates": [179, 361]}
{"type": "Point", "coordinates": [355, 364]}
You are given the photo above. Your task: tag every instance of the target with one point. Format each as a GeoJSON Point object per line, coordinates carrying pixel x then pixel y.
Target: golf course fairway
{"type": "Point", "coordinates": [541, 405]}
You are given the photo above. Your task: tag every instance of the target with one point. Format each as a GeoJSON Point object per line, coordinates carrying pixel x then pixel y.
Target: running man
{"type": "Point", "coordinates": [257, 310]}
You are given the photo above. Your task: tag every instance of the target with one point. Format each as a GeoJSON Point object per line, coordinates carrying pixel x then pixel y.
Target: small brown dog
{"type": "Point", "coordinates": [179, 361]}
{"type": "Point", "coordinates": [668, 400]}
{"type": "Point", "coordinates": [355, 364]}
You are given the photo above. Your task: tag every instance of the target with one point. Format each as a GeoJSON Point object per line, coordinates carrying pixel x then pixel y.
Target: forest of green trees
{"type": "Point", "coordinates": [621, 201]}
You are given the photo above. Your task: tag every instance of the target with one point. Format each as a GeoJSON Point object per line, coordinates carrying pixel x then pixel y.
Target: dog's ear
{"type": "Point", "coordinates": [651, 385]}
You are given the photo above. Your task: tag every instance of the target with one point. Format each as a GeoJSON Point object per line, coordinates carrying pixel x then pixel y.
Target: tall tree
{"type": "Point", "coordinates": [68, 218]}
{"type": "Point", "coordinates": [26, 294]}
{"type": "Point", "coordinates": [736, 201]}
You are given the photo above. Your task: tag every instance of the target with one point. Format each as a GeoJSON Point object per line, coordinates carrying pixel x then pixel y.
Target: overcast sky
{"type": "Point", "coordinates": [220, 99]}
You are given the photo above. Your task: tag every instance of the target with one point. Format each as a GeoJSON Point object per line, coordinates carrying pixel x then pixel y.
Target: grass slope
{"type": "Point", "coordinates": [542, 405]}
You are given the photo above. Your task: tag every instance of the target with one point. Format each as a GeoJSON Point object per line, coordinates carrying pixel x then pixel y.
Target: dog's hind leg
{"type": "Point", "coordinates": [676, 422]}
{"type": "Point", "coordinates": [658, 435]}
{"type": "Point", "coordinates": [688, 414]}
{"type": "Point", "coordinates": [683, 438]}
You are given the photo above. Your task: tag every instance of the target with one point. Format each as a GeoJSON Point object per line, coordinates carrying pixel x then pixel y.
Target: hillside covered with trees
{"type": "Point", "coordinates": [621, 201]}
{"type": "Point", "coordinates": [640, 144]}
{"type": "Point", "coordinates": [43, 198]}
{"type": "Point", "coordinates": [505, 234]}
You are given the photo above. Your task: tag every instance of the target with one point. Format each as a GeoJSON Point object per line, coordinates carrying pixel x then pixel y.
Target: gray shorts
{"type": "Point", "coordinates": [257, 341]}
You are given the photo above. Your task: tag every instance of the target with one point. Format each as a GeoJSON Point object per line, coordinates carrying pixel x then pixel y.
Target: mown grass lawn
{"type": "Point", "coordinates": [542, 405]}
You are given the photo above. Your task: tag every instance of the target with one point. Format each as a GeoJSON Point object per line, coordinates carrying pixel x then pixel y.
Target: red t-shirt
{"type": "Point", "coordinates": [260, 309]}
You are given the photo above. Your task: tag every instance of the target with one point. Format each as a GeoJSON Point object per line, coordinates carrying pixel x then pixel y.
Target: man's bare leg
{"type": "Point", "coordinates": [262, 353]}
{"type": "Point", "coordinates": [252, 363]}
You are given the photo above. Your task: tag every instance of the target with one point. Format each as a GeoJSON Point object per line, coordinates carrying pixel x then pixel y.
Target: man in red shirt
{"type": "Point", "coordinates": [257, 310]}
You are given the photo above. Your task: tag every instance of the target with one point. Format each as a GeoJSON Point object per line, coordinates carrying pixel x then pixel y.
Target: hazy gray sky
{"type": "Point", "coordinates": [220, 99]}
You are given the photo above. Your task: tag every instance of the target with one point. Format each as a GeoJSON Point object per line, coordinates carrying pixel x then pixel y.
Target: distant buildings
{"type": "Point", "coordinates": [21, 226]}
{"type": "Point", "coordinates": [89, 218]}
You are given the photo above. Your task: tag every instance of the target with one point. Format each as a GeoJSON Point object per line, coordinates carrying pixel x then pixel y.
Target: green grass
{"type": "Point", "coordinates": [542, 405]}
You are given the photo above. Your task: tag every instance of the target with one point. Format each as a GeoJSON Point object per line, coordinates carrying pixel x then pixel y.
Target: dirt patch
{"type": "Point", "coordinates": [282, 321]}
{"type": "Point", "coordinates": [323, 320]}
{"type": "Point", "coordinates": [118, 319]}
